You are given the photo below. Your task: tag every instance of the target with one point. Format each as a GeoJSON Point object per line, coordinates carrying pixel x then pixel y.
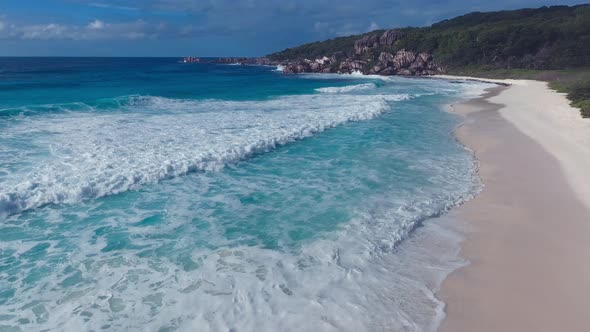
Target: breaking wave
{"type": "Point", "coordinates": [86, 155]}
{"type": "Point", "coordinates": [348, 88]}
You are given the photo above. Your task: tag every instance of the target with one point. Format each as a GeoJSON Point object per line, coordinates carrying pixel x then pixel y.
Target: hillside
{"type": "Point", "coordinates": [545, 38]}
{"type": "Point", "coordinates": [549, 43]}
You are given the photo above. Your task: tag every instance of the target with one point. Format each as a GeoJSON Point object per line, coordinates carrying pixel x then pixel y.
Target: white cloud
{"type": "Point", "coordinates": [96, 25]}
{"type": "Point", "coordinates": [373, 26]}
{"type": "Point", "coordinates": [110, 6]}
{"type": "Point", "coordinates": [47, 31]}
{"type": "Point", "coordinates": [94, 30]}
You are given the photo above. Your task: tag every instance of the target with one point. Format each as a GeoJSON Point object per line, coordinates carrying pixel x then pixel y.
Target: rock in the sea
{"type": "Point", "coordinates": [297, 67]}
{"type": "Point", "coordinates": [357, 64]}
{"type": "Point", "coordinates": [376, 69]}
{"type": "Point", "coordinates": [345, 65]}
{"type": "Point", "coordinates": [405, 72]}
{"type": "Point", "coordinates": [388, 71]}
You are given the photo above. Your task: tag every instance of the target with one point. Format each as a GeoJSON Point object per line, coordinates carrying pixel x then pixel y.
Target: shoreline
{"type": "Point", "coordinates": [526, 234]}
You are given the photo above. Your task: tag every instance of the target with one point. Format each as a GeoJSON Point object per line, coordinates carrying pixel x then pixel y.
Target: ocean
{"type": "Point", "coordinates": [144, 194]}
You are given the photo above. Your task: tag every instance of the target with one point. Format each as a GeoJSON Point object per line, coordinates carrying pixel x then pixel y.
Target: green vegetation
{"type": "Point", "coordinates": [578, 92]}
{"type": "Point", "coordinates": [319, 49]}
{"type": "Point", "coordinates": [554, 37]}
{"type": "Point", "coordinates": [545, 38]}
{"type": "Point", "coordinates": [547, 43]}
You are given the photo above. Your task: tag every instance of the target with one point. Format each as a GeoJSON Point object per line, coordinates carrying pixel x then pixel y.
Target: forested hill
{"type": "Point", "coordinates": [544, 38]}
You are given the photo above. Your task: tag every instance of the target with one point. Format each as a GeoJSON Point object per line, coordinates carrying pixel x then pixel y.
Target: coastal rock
{"type": "Point", "coordinates": [323, 61]}
{"type": "Point", "coordinates": [357, 64]}
{"type": "Point", "coordinates": [425, 57]}
{"type": "Point", "coordinates": [231, 60]}
{"type": "Point", "coordinates": [375, 40]}
{"type": "Point", "coordinates": [297, 68]}
{"type": "Point", "coordinates": [389, 37]}
{"type": "Point", "coordinates": [386, 59]}
{"type": "Point", "coordinates": [337, 57]}
{"type": "Point", "coordinates": [419, 64]}
{"type": "Point", "coordinates": [368, 41]}
{"type": "Point", "coordinates": [376, 69]}
{"type": "Point", "coordinates": [388, 71]}
{"type": "Point", "coordinates": [344, 66]}
{"type": "Point", "coordinates": [403, 59]}
{"type": "Point", "coordinates": [405, 72]}
{"type": "Point", "coordinates": [435, 68]}
{"type": "Point", "coordinates": [403, 62]}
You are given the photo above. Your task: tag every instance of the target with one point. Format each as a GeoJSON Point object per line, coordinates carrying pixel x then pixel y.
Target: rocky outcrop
{"type": "Point", "coordinates": [375, 40]}
{"type": "Point", "coordinates": [389, 37]}
{"type": "Point", "coordinates": [402, 62]}
{"type": "Point", "coordinates": [190, 59]}
{"type": "Point", "coordinates": [406, 63]}
{"type": "Point", "coordinates": [366, 43]}
{"type": "Point", "coordinates": [231, 60]}
{"type": "Point", "coordinates": [364, 60]}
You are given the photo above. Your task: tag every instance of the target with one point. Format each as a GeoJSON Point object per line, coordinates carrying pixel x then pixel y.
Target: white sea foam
{"type": "Point", "coordinates": [357, 278]}
{"type": "Point", "coordinates": [89, 155]}
{"type": "Point", "coordinates": [351, 281]}
{"type": "Point", "coordinates": [348, 88]}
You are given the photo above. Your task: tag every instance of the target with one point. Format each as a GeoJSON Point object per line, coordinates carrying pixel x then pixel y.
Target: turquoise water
{"type": "Point", "coordinates": [144, 194]}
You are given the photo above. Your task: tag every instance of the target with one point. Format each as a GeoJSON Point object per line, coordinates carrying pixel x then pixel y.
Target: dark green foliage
{"type": "Point", "coordinates": [544, 38]}
{"type": "Point", "coordinates": [318, 49]}
{"type": "Point", "coordinates": [537, 44]}
{"type": "Point", "coordinates": [578, 92]}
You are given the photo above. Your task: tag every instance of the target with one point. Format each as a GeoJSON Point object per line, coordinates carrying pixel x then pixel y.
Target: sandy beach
{"type": "Point", "coordinates": [527, 235]}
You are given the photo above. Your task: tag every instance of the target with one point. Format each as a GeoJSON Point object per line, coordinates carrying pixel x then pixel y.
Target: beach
{"type": "Point", "coordinates": [527, 233]}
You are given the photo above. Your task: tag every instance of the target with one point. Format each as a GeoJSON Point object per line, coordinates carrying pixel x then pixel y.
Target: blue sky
{"type": "Point", "coordinates": [210, 27]}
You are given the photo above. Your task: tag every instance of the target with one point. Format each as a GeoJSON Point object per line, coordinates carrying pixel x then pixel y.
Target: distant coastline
{"type": "Point", "coordinates": [546, 43]}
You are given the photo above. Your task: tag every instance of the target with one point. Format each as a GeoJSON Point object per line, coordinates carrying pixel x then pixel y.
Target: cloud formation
{"type": "Point", "coordinates": [220, 27]}
{"type": "Point", "coordinates": [94, 30]}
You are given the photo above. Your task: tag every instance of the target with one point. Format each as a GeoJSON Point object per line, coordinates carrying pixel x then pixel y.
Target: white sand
{"type": "Point", "coordinates": [546, 117]}
{"type": "Point", "coordinates": [528, 232]}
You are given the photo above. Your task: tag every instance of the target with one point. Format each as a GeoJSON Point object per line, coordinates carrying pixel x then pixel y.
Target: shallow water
{"type": "Point", "coordinates": [145, 194]}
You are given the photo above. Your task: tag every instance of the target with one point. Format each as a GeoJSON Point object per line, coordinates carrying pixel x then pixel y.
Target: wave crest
{"type": "Point", "coordinates": [348, 88]}
{"type": "Point", "coordinates": [85, 155]}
